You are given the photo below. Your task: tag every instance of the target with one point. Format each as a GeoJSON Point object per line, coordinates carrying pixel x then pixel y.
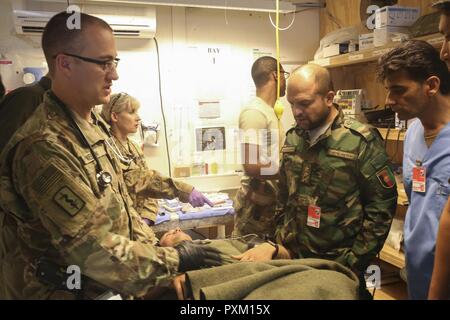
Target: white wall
{"type": "Point", "coordinates": [235, 32]}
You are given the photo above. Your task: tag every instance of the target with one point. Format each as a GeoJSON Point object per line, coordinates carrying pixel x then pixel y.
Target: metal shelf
{"type": "Point", "coordinates": [394, 134]}
{"type": "Point", "coordinates": [369, 55]}
{"type": "Point", "coordinates": [392, 256]}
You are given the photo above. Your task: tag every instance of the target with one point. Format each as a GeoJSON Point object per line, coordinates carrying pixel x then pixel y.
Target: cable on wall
{"type": "Point", "coordinates": [277, 40]}
{"type": "Point", "coordinates": [289, 26]}
{"type": "Point", "coordinates": [161, 105]}
{"type": "Point", "coordinates": [226, 12]}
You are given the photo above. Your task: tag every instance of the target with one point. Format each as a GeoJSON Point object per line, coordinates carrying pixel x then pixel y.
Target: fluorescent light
{"type": "Point", "coordinates": [249, 5]}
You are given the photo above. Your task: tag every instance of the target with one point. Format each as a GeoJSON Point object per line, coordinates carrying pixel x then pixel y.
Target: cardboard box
{"type": "Point", "coordinates": [386, 35]}
{"type": "Point", "coordinates": [353, 47]}
{"type": "Point", "coordinates": [335, 49]}
{"type": "Point", "coordinates": [396, 16]}
{"type": "Point", "coordinates": [366, 41]}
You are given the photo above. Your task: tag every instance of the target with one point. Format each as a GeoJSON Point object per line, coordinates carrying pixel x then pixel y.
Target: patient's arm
{"type": "Point", "coordinates": [263, 252]}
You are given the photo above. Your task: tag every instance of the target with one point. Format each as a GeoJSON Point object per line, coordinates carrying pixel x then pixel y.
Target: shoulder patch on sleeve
{"type": "Point", "coordinates": [52, 185]}
{"type": "Point", "coordinates": [377, 133]}
{"type": "Point", "coordinates": [386, 178]}
{"type": "Point", "coordinates": [68, 201]}
{"type": "Point", "coordinates": [48, 178]}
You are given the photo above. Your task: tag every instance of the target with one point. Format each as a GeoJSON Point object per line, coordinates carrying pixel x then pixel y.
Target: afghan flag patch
{"type": "Point", "coordinates": [386, 178]}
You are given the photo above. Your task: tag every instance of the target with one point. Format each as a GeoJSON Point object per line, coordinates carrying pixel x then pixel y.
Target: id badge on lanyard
{"type": "Point", "coordinates": [419, 177]}
{"type": "Point", "coordinates": [314, 213]}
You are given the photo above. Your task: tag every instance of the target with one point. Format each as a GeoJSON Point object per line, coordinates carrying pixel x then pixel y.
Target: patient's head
{"type": "Point", "coordinates": [173, 237]}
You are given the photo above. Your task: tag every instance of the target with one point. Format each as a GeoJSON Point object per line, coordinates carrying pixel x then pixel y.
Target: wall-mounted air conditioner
{"type": "Point", "coordinates": [133, 26]}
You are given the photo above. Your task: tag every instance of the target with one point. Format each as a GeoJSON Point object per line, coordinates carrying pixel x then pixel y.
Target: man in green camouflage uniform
{"type": "Point", "coordinates": [337, 193]}
{"type": "Point", "coordinates": [62, 188]}
{"type": "Point", "coordinates": [261, 138]}
{"type": "Point", "coordinates": [18, 105]}
{"type": "Point", "coordinates": [15, 109]}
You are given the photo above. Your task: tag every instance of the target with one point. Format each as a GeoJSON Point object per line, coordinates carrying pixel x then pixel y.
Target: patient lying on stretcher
{"type": "Point", "coordinates": [231, 249]}
{"type": "Point", "coordinates": [271, 279]}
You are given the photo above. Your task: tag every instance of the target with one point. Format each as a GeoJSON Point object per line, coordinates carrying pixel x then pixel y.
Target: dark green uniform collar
{"type": "Point", "coordinates": [337, 123]}
{"type": "Point", "coordinates": [58, 105]}
{"type": "Point", "coordinates": [56, 108]}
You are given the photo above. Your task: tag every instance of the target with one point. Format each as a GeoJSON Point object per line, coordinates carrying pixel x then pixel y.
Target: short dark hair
{"type": "Point", "coordinates": [418, 59]}
{"type": "Point", "coordinates": [262, 68]}
{"type": "Point", "coordinates": [322, 78]}
{"type": "Point", "coordinates": [442, 5]}
{"type": "Point", "coordinates": [58, 38]}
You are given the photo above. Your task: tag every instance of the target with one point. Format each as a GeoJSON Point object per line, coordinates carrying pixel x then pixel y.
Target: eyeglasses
{"type": "Point", "coordinates": [284, 73]}
{"type": "Point", "coordinates": [108, 65]}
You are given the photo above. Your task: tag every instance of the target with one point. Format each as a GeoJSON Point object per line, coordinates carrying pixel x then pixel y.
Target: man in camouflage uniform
{"type": "Point", "coordinates": [337, 193]}
{"type": "Point", "coordinates": [261, 136]}
{"type": "Point", "coordinates": [15, 109]}
{"type": "Point", "coordinates": [18, 105]}
{"type": "Point", "coordinates": [62, 188]}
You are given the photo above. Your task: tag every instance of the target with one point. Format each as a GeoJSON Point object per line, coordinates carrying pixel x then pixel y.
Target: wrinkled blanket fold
{"type": "Point", "coordinates": [302, 279]}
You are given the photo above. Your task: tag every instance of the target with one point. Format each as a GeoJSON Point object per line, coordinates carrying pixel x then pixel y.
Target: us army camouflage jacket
{"type": "Point", "coordinates": [346, 176]}
{"type": "Point", "coordinates": [48, 185]}
{"type": "Point", "coordinates": [146, 185]}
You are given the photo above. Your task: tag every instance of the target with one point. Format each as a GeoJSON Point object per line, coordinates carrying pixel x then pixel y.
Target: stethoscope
{"type": "Point", "coordinates": [104, 178]}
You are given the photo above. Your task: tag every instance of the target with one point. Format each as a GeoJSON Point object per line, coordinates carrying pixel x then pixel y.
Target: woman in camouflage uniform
{"type": "Point", "coordinates": [121, 113]}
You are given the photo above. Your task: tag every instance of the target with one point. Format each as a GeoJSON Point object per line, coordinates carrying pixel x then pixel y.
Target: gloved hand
{"type": "Point", "coordinates": [197, 199]}
{"type": "Point", "coordinates": [195, 256]}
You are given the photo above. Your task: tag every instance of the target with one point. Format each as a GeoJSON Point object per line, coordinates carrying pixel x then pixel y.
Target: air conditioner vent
{"type": "Point", "coordinates": [132, 26]}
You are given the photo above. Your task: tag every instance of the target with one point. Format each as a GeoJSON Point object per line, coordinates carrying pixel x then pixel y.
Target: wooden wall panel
{"type": "Point", "coordinates": [347, 13]}
{"type": "Point", "coordinates": [363, 77]}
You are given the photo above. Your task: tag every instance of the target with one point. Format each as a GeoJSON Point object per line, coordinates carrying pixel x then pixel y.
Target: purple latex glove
{"type": "Point", "coordinates": [197, 199]}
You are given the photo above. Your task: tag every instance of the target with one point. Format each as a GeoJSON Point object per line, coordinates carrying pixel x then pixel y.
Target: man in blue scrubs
{"type": "Point", "coordinates": [418, 86]}
{"type": "Point", "coordinates": [440, 282]}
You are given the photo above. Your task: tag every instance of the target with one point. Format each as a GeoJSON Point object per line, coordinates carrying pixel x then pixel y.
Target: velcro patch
{"type": "Point", "coordinates": [68, 201]}
{"type": "Point", "coordinates": [386, 178]}
{"type": "Point", "coordinates": [288, 149]}
{"type": "Point", "coordinates": [306, 174]}
{"type": "Point", "coordinates": [48, 178]}
{"type": "Point", "coordinates": [342, 154]}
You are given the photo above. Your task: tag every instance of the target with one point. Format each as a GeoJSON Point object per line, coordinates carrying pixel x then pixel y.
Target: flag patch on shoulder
{"type": "Point", "coordinates": [386, 178]}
